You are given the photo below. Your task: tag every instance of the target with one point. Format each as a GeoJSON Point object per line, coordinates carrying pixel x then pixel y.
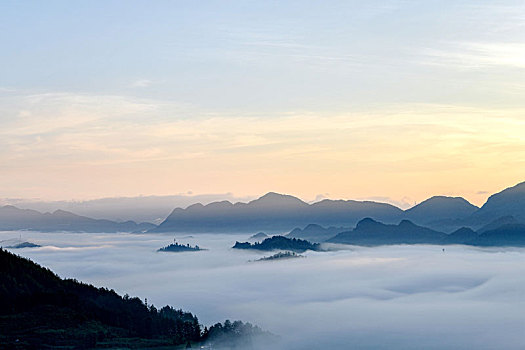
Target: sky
{"type": "Point", "coordinates": [386, 100]}
{"type": "Point", "coordinates": [396, 297]}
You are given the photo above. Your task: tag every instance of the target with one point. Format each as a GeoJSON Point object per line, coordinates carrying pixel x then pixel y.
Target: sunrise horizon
{"type": "Point", "coordinates": [242, 174]}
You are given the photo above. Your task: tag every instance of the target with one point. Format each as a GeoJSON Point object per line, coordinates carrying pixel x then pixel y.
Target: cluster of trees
{"type": "Point", "coordinates": [177, 247]}
{"type": "Point", "coordinates": [236, 335]}
{"type": "Point", "coordinates": [40, 310]}
{"type": "Point", "coordinates": [280, 243]}
{"type": "Point", "coordinates": [281, 255]}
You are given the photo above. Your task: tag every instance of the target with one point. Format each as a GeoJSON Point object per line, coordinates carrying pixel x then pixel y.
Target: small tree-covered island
{"type": "Point", "coordinates": [281, 256]}
{"type": "Point", "coordinates": [280, 243]}
{"type": "Point", "coordinates": [179, 248]}
{"type": "Point", "coordinates": [39, 310]}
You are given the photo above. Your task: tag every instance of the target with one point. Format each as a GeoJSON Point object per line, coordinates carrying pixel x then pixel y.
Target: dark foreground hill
{"type": "Point", "coordinates": [39, 310]}
{"type": "Point", "coordinates": [13, 218]}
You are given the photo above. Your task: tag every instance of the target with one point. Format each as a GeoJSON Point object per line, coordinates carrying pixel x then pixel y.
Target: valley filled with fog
{"type": "Point", "coordinates": [395, 297]}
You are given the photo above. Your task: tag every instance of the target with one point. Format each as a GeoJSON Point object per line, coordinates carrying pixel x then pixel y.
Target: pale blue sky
{"type": "Point", "coordinates": [265, 55]}
{"type": "Point", "coordinates": [80, 81]}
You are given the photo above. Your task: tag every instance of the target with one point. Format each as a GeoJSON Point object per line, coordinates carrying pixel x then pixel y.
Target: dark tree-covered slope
{"type": "Point", "coordinates": [40, 310]}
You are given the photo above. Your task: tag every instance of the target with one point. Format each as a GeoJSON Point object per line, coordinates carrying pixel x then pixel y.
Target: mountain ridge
{"type": "Point", "coordinates": [281, 213]}
{"type": "Point", "coordinates": [13, 218]}
{"type": "Point", "coordinates": [274, 213]}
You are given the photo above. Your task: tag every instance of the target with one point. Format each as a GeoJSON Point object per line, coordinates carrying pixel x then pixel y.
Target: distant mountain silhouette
{"type": "Point", "coordinates": [506, 235]}
{"type": "Point", "coordinates": [439, 211]}
{"type": "Point", "coordinates": [258, 237]}
{"type": "Point", "coordinates": [13, 218]}
{"type": "Point", "coordinates": [17, 244]}
{"type": "Point", "coordinates": [274, 213]}
{"type": "Point", "coordinates": [369, 232]}
{"type": "Point", "coordinates": [504, 220]}
{"type": "Point", "coordinates": [509, 202]}
{"type": "Point", "coordinates": [316, 233]}
{"type": "Point", "coordinates": [451, 213]}
{"type": "Point", "coordinates": [152, 209]}
{"type": "Point", "coordinates": [464, 235]}
{"type": "Point", "coordinates": [278, 213]}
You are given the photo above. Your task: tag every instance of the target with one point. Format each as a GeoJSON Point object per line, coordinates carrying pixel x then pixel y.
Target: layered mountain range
{"type": "Point", "coordinates": [278, 213]}
{"type": "Point", "coordinates": [369, 232]}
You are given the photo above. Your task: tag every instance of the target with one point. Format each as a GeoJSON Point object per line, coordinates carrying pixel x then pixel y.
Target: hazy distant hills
{"type": "Point", "coordinates": [278, 213]}
{"type": "Point", "coordinates": [274, 213]}
{"type": "Point", "coordinates": [371, 232]}
{"type": "Point", "coordinates": [462, 235]}
{"type": "Point", "coordinates": [152, 209]}
{"type": "Point", "coordinates": [506, 235]}
{"type": "Point", "coordinates": [316, 233]}
{"type": "Point", "coordinates": [258, 237]}
{"type": "Point", "coordinates": [12, 218]}
{"type": "Point", "coordinates": [438, 209]}
{"type": "Point", "coordinates": [504, 220]}
{"type": "Point", "coordinates": [509, 202]}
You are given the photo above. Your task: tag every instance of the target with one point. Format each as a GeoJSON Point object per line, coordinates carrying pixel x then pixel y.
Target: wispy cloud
{"type": "Point", "coordinates": [473, 55]}
{"type": "Point", "coordinates": [142, 83]}
{"type": "Point", "coordinates": [73, 132]}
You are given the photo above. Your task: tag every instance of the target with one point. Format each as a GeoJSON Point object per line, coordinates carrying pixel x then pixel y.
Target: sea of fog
{"type": "Point", "coordinates": [391, 297]}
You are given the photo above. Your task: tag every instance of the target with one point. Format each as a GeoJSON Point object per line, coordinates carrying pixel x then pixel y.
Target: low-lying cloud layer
{"type": "Point", "coordinates": [398, 297]}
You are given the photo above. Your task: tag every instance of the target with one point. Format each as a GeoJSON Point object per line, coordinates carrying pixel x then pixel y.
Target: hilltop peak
{"type": "Point", "coordinates": [509, 202]}
{"type": "Point", "coordinates": [440, 208]}
{"type": "Point", "coordinates": [406, 223]}
{"type": "Point", "coordinates": [63, 213]}
{"type": "Point", "coordinates": [277, 199]}
{"type": "Point", "coordinates": [444, 200]}
{"type": "Point", "coordinates": [366, 222]}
